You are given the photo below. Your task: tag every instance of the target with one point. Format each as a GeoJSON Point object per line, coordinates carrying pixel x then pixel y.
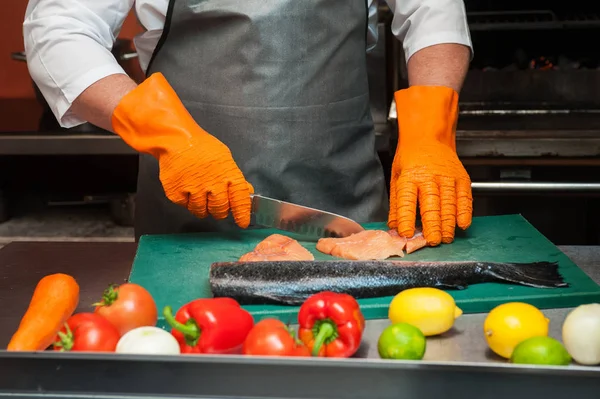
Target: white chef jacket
{"type": "Point", "coordinates": [68, 42]}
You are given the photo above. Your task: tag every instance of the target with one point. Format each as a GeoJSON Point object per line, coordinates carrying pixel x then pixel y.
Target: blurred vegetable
{"type": "Point", "coordinates": [148, 340]}
{"type": "Point", "coordinates": [87, 332]}
{"type": "Point", "coordinates": [331, 324]}
{"type": "Point", "coordinates": [215, 325]}
{"type": "Point", "coordinates": [54, 300]}
{"type": "Point", "coordinates": [127, 306]}
{"type": "Point", "coordinates": [271, 337]}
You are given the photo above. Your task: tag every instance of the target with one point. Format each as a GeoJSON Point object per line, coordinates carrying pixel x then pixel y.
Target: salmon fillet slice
{"type": "Point", "coordinates": [371, 245]}
{"type": "Point", "coordinates": [366, 245]}
{"type": "Point", "coordinates": [277, 247]}
{"type": "Point", "coordinates": [413, 244]}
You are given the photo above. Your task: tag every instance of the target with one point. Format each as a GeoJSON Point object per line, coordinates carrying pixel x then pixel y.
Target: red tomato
{"type": "Point", "coordinates": [271, 337]}
{"type": "Point", "coordinates": [128, 306]}
{"type": "Point", "coordinates": [87, 332]}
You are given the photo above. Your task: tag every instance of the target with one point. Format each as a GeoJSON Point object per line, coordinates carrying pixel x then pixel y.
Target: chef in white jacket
{"type": "Point", "coordinates": [266, 96]}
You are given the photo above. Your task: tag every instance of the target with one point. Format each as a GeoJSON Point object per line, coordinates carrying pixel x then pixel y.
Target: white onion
{"type": "Point", "coordinates": [148, 340]}
{"type": "Point", "coordinates": [581, 334]}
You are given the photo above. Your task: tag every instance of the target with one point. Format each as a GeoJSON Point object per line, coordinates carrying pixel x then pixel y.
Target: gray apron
{"type": "Point", "coordinates": [283, 83]}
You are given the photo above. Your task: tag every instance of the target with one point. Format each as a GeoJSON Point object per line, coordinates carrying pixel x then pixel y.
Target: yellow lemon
{"type": "Point", "coordinates": [509, 324]}
{"type": "Point", "coordinates": [431, 310]}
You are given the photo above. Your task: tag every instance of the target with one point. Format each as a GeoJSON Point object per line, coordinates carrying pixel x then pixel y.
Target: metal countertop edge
{"type": "Point", "coordinates": [308, 362]}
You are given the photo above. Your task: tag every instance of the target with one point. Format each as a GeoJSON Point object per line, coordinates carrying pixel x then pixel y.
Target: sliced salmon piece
{"type": "Point", "coordinates": [411, 244]}
{"type": "Point", "coordinates": [277, 247]}
{"type": "Point", "coordinates": [366, 245]}
{"type": "Point", "coordinates": [398, 237]}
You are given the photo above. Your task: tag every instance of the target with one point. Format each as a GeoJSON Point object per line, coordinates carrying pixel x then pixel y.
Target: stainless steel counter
{"type": "Point", "coordinates": [457, 365]}
{"type": "Point", "coordinates": [465, 342]}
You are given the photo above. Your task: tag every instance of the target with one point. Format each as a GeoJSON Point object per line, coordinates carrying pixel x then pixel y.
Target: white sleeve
{"type": "Point", "coordinates": [423, 23]}
{"type": "Point", "coordinates": [68, 47]}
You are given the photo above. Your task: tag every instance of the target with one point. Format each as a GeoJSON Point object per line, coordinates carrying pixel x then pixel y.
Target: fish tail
{"type": "Point", "coordinates": [535, 274]}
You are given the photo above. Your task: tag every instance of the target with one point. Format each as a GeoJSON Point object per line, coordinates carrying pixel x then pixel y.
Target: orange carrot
{"type": "Point", "coordinates": [54, 300]}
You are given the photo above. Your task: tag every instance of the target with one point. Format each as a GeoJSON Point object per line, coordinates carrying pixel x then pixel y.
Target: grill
{"type": "Point", "coordinates": [534, 68]}
{"type": "Point", "coordinates": [530, 105]}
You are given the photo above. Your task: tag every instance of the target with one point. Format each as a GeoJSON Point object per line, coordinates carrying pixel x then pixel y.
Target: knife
{"type": "Point", "coordinates": [310, 223]}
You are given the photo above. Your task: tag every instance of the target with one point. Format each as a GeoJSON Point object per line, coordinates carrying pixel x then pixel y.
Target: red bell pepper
{"type": "Point", "coordinates": [331, 324]}
{"type": "Point", "coordinates": [211, 326]}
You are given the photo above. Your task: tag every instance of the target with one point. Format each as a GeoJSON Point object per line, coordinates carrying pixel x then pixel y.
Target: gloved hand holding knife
{"type": "Point", "coordinates": [197, 171]}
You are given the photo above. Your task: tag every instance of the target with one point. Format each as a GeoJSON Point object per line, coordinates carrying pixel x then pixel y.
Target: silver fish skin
{"type": "Point", "coordinates": [291, 282]}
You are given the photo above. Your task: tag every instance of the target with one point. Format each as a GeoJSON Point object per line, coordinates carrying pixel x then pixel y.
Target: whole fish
{"type": "Point", "coordinates": [291, 282]}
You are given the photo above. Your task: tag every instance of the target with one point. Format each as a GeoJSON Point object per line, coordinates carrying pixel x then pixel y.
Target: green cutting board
{"type": "Point", "coordinates": [174, 268]}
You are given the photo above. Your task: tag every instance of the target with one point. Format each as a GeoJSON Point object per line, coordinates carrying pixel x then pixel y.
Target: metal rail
{"type": "Point", "coordinates": [470, 144]}
{"type": "Point", "coordinates": [534, 186]}
{"type": "Point", "coordinates": [530, 19]}
{"type": "Point", "coordinates": [21, 56]}
{"type": "Point", "coordinates": [529, 112]}
{"type": "Point", "coordinates": [67, 144]}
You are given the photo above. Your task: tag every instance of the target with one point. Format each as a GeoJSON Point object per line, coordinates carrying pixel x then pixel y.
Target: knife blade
{"type": "Point", "coordinates": [309, 223]}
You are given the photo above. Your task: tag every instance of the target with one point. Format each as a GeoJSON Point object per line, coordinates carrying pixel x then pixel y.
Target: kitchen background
{"type": "Point", "coordinates": [529, 130]}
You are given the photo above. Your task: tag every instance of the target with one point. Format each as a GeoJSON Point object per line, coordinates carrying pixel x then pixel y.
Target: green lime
{"type": "Point", "coordinates": [402, 341]}
{"type": "Point", "coordinates": [541, 350]}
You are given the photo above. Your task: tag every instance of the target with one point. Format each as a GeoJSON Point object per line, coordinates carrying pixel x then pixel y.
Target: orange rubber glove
{"type": "Point", "coordinates": [197, 170]}
{"type": "Point", "coordinates": [427, 168]}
